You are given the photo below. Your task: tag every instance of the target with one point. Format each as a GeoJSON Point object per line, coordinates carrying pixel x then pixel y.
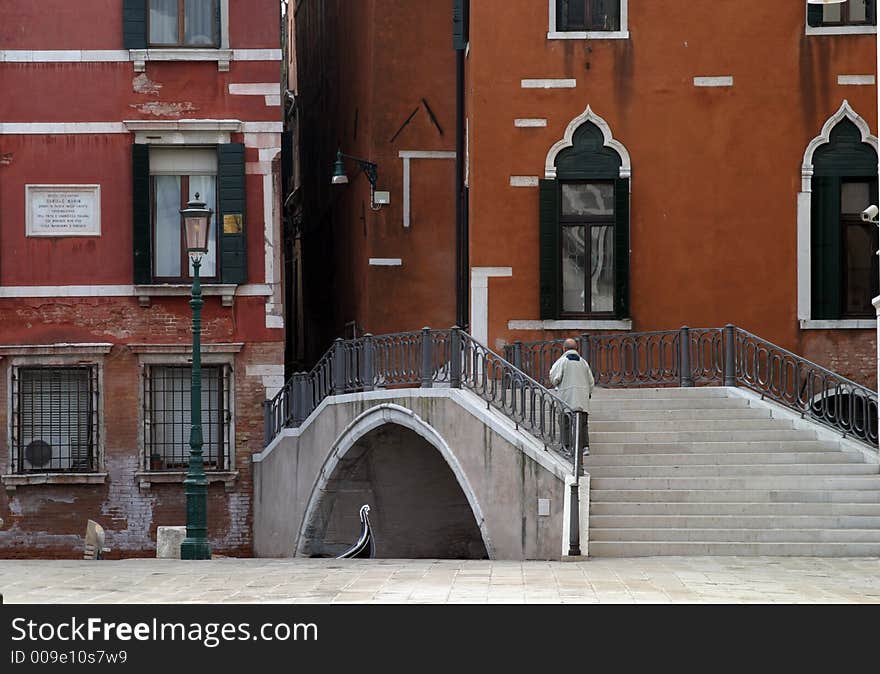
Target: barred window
{"type": "Point", "coordinates": [55, 419]}
{"type": "Point", "coordinates": [168, 416]}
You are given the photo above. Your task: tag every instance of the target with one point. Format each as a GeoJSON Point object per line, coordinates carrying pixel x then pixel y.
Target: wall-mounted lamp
{"type": "Point", "coordinates": [377, 199]}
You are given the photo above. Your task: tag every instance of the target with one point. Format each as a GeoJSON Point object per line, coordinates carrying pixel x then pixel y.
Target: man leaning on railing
{"type": "Point", "coordinates": [573, 379]}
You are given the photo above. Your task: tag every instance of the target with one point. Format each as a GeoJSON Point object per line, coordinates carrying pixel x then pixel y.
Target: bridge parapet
{"type": "Point", "coordinates": [425, 359]}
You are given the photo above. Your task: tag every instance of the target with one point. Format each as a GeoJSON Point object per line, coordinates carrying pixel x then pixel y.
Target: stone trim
{"type": "Point", "coordinates": [61, 349]}
{"type": "Point", "coordinates": [14, 481]}
{"type": "Point", "coordinates": [219, 347]}
{"type": "Point", "coordinates": [146, 479]}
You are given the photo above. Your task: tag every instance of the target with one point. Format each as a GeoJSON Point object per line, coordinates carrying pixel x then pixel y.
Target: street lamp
{"type": "Point", "coordinates": [377, 199]}
{"type": "Point", "coordinates": [197, 223]}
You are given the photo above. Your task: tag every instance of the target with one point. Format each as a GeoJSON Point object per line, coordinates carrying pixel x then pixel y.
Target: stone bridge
{"type": "Point", "coordinates": [446, 476]}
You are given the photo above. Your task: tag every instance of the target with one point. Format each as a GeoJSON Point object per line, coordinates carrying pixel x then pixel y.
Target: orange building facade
{"type": "Point", "coordinates": [623, 165]}
{"type": "Point", "coordinates": [745, 136]}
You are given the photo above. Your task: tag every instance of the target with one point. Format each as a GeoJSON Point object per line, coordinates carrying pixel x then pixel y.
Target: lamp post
{"type": "Point", "coordinates": [370, 169]}
{"type": "Point", "coordinates": [197, 222]}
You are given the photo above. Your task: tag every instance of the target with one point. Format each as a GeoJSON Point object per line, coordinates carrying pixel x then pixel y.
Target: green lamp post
{"type": "Point", "coordinates": [197, 223]}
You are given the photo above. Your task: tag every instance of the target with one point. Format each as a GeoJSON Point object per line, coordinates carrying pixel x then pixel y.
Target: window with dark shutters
{"type": "Point", "coordinates": [841, 280]}
{"type": "Point", "coordinates": [229, 220]}
{"type": "Point", "coordinates": [584, 232]}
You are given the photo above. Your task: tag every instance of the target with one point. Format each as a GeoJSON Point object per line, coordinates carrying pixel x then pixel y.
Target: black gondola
{"type": "Point", "coordinates": [364, 548]}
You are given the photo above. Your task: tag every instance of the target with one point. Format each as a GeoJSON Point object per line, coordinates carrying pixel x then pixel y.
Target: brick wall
{"type": "Point", "coordinates": [50, 520]}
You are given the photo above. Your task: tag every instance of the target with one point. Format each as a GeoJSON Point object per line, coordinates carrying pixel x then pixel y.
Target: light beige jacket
{"type": "Point", "coordinates": [573, 379]}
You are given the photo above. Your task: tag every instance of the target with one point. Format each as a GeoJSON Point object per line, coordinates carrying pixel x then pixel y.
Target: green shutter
{"type": "Point", "coordinates": [140, 213]}
{"type": "Point", "coordinates": [825, 248]}
{"type": "Point", "coordinates": [621, 248]}
{"type": "Point", "coordinates": [231, 190]}
{"type": "Point", "coordinates": [548, 197]}
{"type": "Point", "coordinates": [814, 15]}
{"type": "Point", "coordinates": [872, 12]}
{"type": "Point", "coordinates": [460, 21]}
{"type": "Point", "coordinates": [134, 24]}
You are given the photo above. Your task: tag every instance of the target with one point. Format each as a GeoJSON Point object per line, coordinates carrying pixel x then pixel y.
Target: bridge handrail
{"type": "Point", "coordinates": [424, 358]}
{"type": "Point", "coordinates": [728, 356]}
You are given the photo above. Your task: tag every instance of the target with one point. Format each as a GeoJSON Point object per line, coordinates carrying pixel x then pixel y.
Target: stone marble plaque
{"type": "Point", "coordinates": [63, 210]}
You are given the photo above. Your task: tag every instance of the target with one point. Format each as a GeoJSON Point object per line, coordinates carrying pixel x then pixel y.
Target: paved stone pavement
{"type": "Point", "coordinates": [319, 581]}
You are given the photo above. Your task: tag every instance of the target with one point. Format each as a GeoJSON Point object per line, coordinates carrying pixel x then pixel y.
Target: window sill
{"type": "Point", "coordinates": [148, 478]}
{"type": "Point", "coordinates": [12, 482]}
{"type": "Point", "coordinates": [841, 30]}
{"type": "Point", "coordinates": [140, 56]}
{"type": "Point", "coordinates": [588, 35]}
{"type": "Point", "coordinates": [850, 324]}
{"type": "Point", "coordinates": [145, 292]}
{"type": "Point", "coordinates": [611, 324]}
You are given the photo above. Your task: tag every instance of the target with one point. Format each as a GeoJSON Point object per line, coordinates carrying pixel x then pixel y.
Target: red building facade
{"type": "Point", "coordinates": [114, 113]}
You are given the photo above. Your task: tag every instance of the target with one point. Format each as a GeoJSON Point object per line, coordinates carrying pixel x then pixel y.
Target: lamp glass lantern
{"type": "Point", "coordinates": [339, 175]}
{"type": "Point", "coordinates": [197, 226]}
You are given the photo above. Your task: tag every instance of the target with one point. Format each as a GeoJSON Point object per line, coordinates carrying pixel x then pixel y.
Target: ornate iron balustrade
{"type": "Point", "coordinates": [728, 356]}
{"type": "Point", "coordinates": [424, 359]}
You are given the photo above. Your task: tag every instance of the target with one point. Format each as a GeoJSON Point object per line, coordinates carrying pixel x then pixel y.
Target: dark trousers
{"type": "Point", "coordinates": [567, 430]}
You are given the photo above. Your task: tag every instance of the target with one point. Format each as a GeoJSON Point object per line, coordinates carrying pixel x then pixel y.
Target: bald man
{"type": "Point", "coordinates": [573, 379]}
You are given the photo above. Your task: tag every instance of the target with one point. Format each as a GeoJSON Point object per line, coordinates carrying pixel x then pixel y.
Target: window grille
{"type": "Point", "coordinates": [168, 417]}
{"type": "Point", "coordinates": [55, 419]}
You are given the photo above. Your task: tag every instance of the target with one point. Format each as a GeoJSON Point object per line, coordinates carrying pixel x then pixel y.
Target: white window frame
{"type": "Point", "coordinates": [180, 355]}
{"type": "Point", "coordinates": [623, 34]}
{"type": "Point", "coordinates": [54, 355]}
{"type": "Point", "coordinates": [805, 221]}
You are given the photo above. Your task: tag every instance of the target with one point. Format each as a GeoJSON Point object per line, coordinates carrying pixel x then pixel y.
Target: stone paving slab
{"type": "Point", "coordinates": [641, 580]}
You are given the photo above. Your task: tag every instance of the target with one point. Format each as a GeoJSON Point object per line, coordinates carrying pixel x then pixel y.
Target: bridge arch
{"type": "Point", "coordinates": [388, 415]}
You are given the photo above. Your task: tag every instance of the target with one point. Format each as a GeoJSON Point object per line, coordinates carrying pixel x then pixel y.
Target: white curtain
{"type": "Point", "coordinates": [199, 23]}
{"type": "Point", "coordinates": [166, 256]}
{"type": "Point", "coordinates": [163, 22]}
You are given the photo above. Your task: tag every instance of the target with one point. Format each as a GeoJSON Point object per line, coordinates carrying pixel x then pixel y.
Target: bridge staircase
{"type": "Point", "coordinates": [746, 450]}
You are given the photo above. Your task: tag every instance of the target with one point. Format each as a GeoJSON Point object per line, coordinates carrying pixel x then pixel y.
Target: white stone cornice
{"type": "Point", "coordinates": [568, 141]}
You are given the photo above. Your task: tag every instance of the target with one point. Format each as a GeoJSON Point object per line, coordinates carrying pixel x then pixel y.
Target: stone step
{"type": "Point", "coordinates": [755, 446]}
{"type": "Point", "coordinates": [600, 404]}
{"type": "Point", "coordinates": [601, 393]}
{"type": "Point", "coordinates": [600, 437]}
{"type": "Point", "coordinates": [786, 469]}
{"type": "Point", "coordinates": [771, 482]}
{"type": "Point", "coordinates": [711, 413]}
{"type": "Point", "coordinates": [739, 535]}
{"type": "Point", "coordinates": [658, 522]}
{"type": "Point", "coordinates": [597, 459]}
{"type": "Point", "coordinates": [747, 509]}
{"type": "Point", "coordinates": [710, 549]}
{"type": "Point", "coordinates": [638, 425]}
{"type": "Point", "coordinates": [753, 495]}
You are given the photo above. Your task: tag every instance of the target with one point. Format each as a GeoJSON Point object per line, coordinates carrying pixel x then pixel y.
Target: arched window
{"type": "Point", "coordinates": [584, 225]}
{"type": "Point", "coordinates": [844, 248]}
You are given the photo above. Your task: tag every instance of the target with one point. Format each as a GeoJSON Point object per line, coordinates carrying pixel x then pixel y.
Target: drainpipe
{"type": "Point", "coordinates": [461, 206]}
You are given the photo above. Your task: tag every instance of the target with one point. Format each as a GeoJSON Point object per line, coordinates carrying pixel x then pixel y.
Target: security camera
{"type": "Point", "coordinates": [870, 214]}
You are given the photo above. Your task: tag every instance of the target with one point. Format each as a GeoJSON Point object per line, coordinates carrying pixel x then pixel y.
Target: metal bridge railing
{"type": "Point", "coordinates": [728, 356]}
{"type": "Point", "coordinates": [424, 359]}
